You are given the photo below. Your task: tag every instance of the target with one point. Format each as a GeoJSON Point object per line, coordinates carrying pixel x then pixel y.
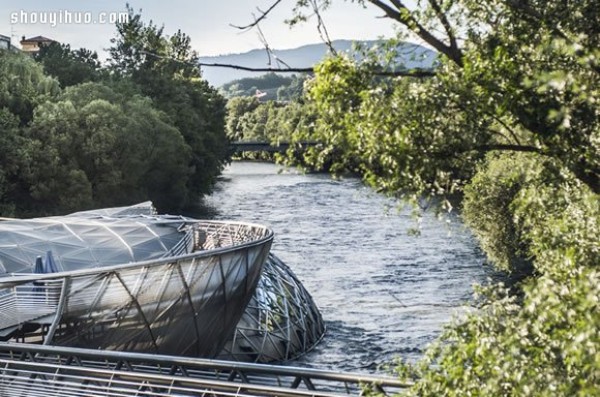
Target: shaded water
{"type": "Point", "coordinates": [383, 293]}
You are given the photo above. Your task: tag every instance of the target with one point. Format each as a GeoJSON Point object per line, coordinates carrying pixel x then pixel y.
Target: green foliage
{"type": "Point", "coordinates": [510, 119]}
{"type": "Point", "coordinates": [269, 122]}
{"type": "Point", "coordinates": [544, 80]}
{"type": "Point", "coordinates": [526, 206]}
{"type": "Point", "coordinates": [148, 127]}
{"type": "Point", "coordinates": [488, 208]}
{"type": "Point", "coordinates": [23, 85]}
{"type": "Point", "coordinates": [103, 150]}
{"type": "Point", "coordinates": [511, 91]}
{"type": "Point", "coordinates": [336, 94]}
{"type": "Point", "coordinates": [251, 120]}
{"type": "Point", "coordinates": [292, 91]}
{"type": "Point", "coordinates": [559, 219]}
{"type": "Point", "coordinates": [392, 131]}
{"type": "Point", "coordinates": [140, 48]}
{"type": "Point", "coordinates": [545, 346]}
{"type": "Point", "coordinates": [237, 107]}
{"type": "Point", "coordinates": [165, 69]}
{"type": "Point", "coordinates": [10, 161]}
{"type": "Point", "coordinates": [69, 67]}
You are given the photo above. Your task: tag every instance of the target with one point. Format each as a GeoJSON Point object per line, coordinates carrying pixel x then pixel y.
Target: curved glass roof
{"type": "Point", "coordinates": [89, 239]}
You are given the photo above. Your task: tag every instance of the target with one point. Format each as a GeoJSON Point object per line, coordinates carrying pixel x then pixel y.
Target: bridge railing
{"type": "Point", "coordinates": [55, 371]}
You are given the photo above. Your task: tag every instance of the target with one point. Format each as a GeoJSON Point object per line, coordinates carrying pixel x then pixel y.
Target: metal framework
{"type": "Point", "coordinates": [281, 322]}
{"type": "Point", "coordinates": [182, 303]}
{"type": "Point", "coordinates": [30, 370]}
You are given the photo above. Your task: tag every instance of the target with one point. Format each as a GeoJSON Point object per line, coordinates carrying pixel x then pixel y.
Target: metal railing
{"type": "Point", "coordinates": [29, 302]}
{"type": "Point", "coordinates": [34, 370]}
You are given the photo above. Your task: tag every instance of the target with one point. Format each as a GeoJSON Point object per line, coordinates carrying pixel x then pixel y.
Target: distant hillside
{"type": "Point", "coordinates": [302, 57]}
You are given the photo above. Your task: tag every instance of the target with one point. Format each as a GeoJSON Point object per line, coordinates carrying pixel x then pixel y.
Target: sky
{"type": "Point", "coordinates": [207, 22]}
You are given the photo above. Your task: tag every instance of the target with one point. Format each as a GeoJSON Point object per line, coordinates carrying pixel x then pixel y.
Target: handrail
{"type": "Point", "coordinates": [279, 380]}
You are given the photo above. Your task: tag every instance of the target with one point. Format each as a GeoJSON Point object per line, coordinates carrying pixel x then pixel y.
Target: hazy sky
{"type": "Point", "coordinates": [206, 21]}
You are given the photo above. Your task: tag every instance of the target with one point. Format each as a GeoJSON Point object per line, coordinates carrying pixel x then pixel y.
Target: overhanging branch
{"type": "Point", "coordinates": [448, 153]}
{"type": "Point", "coordinates": [263, 15]}
{"type": "Point", "coordinates": [445, 23]}
{"type": "Point", "coordinates": [420, 73]}
{"type": "Point", "coordinates": [508, 148]}
{"type": "Point", "coordinates": [403, 15]}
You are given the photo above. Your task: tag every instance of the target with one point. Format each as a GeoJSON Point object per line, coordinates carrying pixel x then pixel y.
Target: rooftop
{"type": "Point", "coordinates": [37, 39]}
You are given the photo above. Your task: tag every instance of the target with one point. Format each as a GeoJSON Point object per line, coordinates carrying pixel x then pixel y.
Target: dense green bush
{"type": "Point", "coordinates": [489, 211]}
{"type": "Point", "coordinates": [546, 345]}
{"type": "Point", "coordinates": [103, 149]}
{"type": "Point", "coordinates": [524, 208]}
{"type": "Point", "coordinates": [559, 219]}
{"type": "Point", "coordinates": [273, 86]}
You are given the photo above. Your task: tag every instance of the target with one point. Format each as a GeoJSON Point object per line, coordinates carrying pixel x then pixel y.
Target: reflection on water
{"type": "Point", "coordinates": [383, 293]}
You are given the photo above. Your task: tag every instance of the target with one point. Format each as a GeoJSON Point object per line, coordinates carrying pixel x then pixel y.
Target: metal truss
{"type": "Point", "coordinates": [281, 322]}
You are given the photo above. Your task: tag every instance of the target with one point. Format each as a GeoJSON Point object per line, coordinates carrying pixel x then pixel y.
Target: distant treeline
{"type": "Point", "coordinates": [77, 134]}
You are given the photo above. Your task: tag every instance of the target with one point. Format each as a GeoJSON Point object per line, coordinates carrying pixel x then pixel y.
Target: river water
{"type": "Point", "coordinates": [383, 292]}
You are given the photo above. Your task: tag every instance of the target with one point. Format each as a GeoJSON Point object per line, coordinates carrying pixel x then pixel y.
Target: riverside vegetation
{"type": "Point", "coordinates": [75, 134]}
{"type": "Point", "coordinates": [510, 121]}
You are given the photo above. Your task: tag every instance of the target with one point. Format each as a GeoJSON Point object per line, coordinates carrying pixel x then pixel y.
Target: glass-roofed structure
{"type": "Point", "coordinates": [82, 242]}
{"type": "Point", "coordinates": [129, 279]}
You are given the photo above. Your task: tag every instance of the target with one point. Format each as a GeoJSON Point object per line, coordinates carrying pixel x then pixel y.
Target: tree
{"type": "Point", "coordinates": [524, 92]}
{"type": "Point", "coordinates": [23, 85]}
{"type": "Point", "coordinates": [69, 67]}
{"type": "Point", "coordinates": [148, 127]}
{"type": "Point", "coordinates": [271, 84]}
{"type": "Point", "coordinates": [237, 107]}
{"type": "Point", "coordinates": [11, 143]}
{"type": "Point", "coordinates": [294, 90]}
{"type": "Point", "coordinates": [95, 148]}
{"type": "Point", "coordinates": [165, 69]}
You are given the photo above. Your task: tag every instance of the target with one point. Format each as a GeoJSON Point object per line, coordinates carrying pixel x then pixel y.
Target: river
{"type": "Point", "coordinates": [383, 292]}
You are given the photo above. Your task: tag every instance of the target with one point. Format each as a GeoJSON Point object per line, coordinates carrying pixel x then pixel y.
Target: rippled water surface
{"type": "Point", "coordinates": [383, 293]}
